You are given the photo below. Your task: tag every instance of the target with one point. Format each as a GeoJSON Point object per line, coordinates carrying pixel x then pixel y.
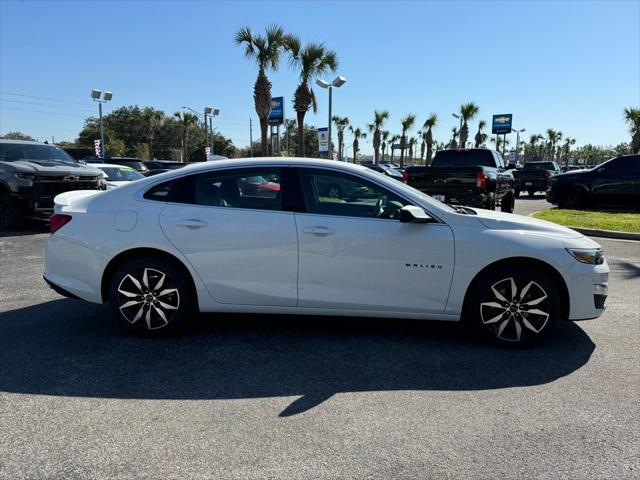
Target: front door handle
{"type": "Point", "coordinates": [318, 231]}
{"type": "Point", "coordinates": [191, 223]}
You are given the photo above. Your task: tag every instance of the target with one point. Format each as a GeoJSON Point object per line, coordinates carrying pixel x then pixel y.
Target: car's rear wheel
{"type": "Point", "coordinates": [508, 203]}
{"type": "Point", "coordinates": [517, 192]}
{"type": "Point", "coordinates": [490, 202]}
{"type": "Point", "coordinates": [515, 306]}
{"type": "Point", "coordinates": [151, 296]}
{"type": "Point", "coordinates": [571, 199]}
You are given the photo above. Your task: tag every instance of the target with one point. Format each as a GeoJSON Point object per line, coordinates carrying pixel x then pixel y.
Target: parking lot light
{"type": "Point", "coordinates": [337, 82]}
{"type": "Point", "coordinates": [101, 97]}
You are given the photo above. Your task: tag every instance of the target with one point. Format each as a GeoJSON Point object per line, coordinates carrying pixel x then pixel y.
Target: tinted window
{"type": "Point", "coordinates": [246, 188]}
{"type": "Point", "coordinates": [122, 174]}
{"type": "Point", "coordinates": [469, 158]}
{"type": "Point", "coordinates": [12, 152]}
{"type": "Point", "coordinates": [622, 165]}
{"type": "Point", "coordinates": [331, 193]}
{"type": "Point", "coordinates": [539, 166]}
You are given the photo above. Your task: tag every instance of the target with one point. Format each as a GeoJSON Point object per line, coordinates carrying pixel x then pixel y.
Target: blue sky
{"type": "Point", "coordinates": [568, 65]}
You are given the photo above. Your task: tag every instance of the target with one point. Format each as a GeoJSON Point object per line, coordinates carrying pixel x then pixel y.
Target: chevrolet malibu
{"type": "Point", "coordinates": [209, 238]}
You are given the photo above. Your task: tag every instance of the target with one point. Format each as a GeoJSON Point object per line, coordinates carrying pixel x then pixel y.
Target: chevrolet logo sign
{"type": "Point", "coordinates": [71, 178]}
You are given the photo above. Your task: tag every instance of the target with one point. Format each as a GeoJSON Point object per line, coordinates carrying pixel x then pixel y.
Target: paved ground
{"type": "Point", "coordinates": [271, 397]}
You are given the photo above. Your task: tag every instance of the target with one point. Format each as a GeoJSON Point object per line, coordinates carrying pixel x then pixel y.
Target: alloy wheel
{"type": "Point", "coordinates": [148, 295]}
{"type": "Point", "coordinates": [513, 311]}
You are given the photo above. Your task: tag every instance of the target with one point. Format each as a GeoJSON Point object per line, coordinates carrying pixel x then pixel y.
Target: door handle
{"type": "Point", "coordinates": [318, 231]}
{"type": "Point", "coordinates": [191, 223]}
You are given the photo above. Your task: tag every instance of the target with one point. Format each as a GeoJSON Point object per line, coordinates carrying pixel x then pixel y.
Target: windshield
{"type": "Point", "coordinates": [13, 152]}
{"type": "Point", "coordinates": [121, 174]}
{"type": "Point", "coordinates": [466, 158]}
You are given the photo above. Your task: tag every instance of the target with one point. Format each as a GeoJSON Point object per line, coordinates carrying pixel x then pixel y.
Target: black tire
{"type": "Point", "coordinates": [571, 199]}
{"type": "Point", "coordinates": [531, 192]}
{"type": "Point", "coordinates": [498, 317]}
{"type": "Point", "coordinates": [164, 305]}
{"type": "Point", "coordinates": [11, 217]}
{"type": "Point", "coordinates": [508, 203]}
{"type": "Point", "coordinates": [490, 202]}
{"type": "Point", "coordinates": [517, 192]}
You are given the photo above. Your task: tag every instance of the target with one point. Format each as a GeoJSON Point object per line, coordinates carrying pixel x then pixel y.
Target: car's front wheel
{"type": "Point", "coordinates": [513, 306]}
{"type": "Point", "coordinates": [151, 296]}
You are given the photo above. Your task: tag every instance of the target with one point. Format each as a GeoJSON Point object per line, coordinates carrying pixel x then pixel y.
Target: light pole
{"type": "Point", "coordinates": [459, 131]}
{"type": "Point", "coordinates": [337, 82]}
{"type": "Point", "coordinates": [518, 132]}
{"type": "Point", "coordinates": [101, 97]}
{"type": "Point", "coordinates": [211, 112]}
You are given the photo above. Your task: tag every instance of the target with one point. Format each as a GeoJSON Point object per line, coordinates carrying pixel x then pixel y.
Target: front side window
{"type": "Point", "coordinates": [619, 166]}
{"type": "Point", "coordinates": [332, 193]}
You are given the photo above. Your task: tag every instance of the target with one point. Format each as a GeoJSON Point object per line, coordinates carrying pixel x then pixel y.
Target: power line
{"type": "Point", "coordinates": [42, 111]}
{"type": "Point", "coordinates": [46, 105]}
{"type": "Point", "coordinates": [62, 100]}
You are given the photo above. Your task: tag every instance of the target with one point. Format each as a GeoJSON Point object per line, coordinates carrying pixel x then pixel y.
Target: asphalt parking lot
{"type": "Point", "coordinates": [275, 397]}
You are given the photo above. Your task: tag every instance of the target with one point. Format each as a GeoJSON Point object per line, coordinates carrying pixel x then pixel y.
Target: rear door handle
{"type": "Point", "coordinates": [318, 231]}
{"type": "Point", "coordinates": [191, 223]}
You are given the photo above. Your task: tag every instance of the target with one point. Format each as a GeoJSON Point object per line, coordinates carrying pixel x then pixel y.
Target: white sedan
{"type": "Point", "coordinates": [117, 175]}
{"type": "Point", "coordinates": [316, 237]}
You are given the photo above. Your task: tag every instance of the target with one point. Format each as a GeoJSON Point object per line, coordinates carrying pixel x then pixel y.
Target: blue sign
{"type": "Point", "coordinates": [323, 141]}
{"type": "Point", "coordinates": [501, 124]}
{"type": "Point", "coordinates": [276, 116]}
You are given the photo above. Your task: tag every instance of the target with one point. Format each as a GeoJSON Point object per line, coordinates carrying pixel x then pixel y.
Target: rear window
{"type": "Point", "coordinates": [469, 158]}
{"type": "Point", "coordinates": [539, 166]}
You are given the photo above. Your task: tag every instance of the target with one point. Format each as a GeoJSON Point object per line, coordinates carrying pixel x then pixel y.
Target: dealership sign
{"type": "Point", "coordinates": [501, 124]}
{"type": "Point", "coordinates": [276, 116]}
{"type": "Point", "coordinates": [323, 141]}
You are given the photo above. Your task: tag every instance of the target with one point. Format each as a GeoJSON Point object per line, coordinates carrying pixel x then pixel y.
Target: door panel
{"type": "Point", "coordinates": [373, 264]}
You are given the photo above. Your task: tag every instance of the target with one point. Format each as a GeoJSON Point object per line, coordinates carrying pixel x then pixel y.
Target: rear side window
{"type": "Point", "coordinates": [622, 165]}
{"type": "Point", "coordinates": [179, 190]}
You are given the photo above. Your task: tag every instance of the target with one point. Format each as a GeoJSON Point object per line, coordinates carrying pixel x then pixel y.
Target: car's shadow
{"type": "Point", "coordinates": [71, 348]}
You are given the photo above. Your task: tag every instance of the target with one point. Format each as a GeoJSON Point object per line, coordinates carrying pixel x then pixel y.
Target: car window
{"type": "Point", "coordinates": [259, 189]}
{"type": "Point", "coordinates": [332, 193]}
{"type": "Point", "coordinates": [121, 174]}
{"type": "Point", "coordinates": [618, 166]}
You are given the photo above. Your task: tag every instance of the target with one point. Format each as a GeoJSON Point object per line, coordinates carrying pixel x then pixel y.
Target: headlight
{"type": "Point", "coordinates": [25, 176]}
{"type": "Point", "coordinates": [592, 256]}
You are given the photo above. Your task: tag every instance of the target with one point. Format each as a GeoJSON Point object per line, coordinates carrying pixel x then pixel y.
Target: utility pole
{"type": "Point", "coordinates": [250, 138]}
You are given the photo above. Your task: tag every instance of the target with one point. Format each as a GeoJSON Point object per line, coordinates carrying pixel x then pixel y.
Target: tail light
{"type": "Point", "coordinates": [57, 221]}
{"type": "Point", "coordinates": [405, 177]}
{"type": "Point", "coordinates": [481, 179]}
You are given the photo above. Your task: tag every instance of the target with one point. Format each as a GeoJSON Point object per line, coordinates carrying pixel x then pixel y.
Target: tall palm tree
{"type": "Point", "coordinates": [186, 120]}
{"type": "Point", "coordinates": [341, 124]}
{"type": "Point", "coordinates": [480, 137]}
{"type": "Point", "coordinates": [454, 137]}
{"type": "Point", "coordinates": [423, 144]}
{"type": "Point", "coordinates": [566, 149]}
{"type": "Point", "coordinates": [384, 136]}
{"type": "Point", "coordinates": [378, 120]}
{"type": "Point", "coordinates": [553, 137]}
{"type": "Point", "coordinates": [431, 122]}
{"type": "Point", "coordinates": [357, 135]}
{"type": "Point", "coordinates": [632, 117]}
{"type": "Point", "coordinates": [392, 141]}
{"type": "Point", "coordinates": [533, 146]}
{"type": "Point", "coordinates": [407, 124]}
{"type": "Point", "coordinates": [468, 111]}
{"type": "Point", "coordinates": [312, 61]}
{"type": "Point", "coordinates": [266, 51]}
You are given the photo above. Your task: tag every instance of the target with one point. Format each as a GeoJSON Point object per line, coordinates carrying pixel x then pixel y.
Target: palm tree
{"type": "Point", "coordinates": [341, 123]}
{"type": "Point", "coordinates": [357, 135]}
{"type": "Point", "coordinates": [266, 51]}
{"type": "Point", "coordinates": [431, 122]}
{"type": "Point", "coordinates": [407, 124]}
{"type": "Point", "coordinates": [552, 138]}
{"type": "Point", "coordinates": [392, 141]}
{"type": "Point", "coordinates": [632, 117]}
{"type": "Point", "coordinates": [481, 137]}
{"type": "Point", "coordinates": [313, 60]}
{"type": "Point", "coordinates": [423, 145]}
{"type": "Point", "coordinates": [468, 111]}
{"type": "Point", "coordinates": [384, 137]}
{"type": "Point", "coordinates": [185, 120]}
{"type": "Point", "coordinates": [566, 149]}
{"type": "Point", "coordinates": [378, 120]}
{"type": "Point", "coordinates": [153, 120]}
{"type": "Point", "coordinates": [533, 145]}
{"type": "Point", "coordinates": [454, 137]}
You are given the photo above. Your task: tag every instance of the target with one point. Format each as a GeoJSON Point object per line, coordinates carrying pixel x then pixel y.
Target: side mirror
{"type": "Point", "coordinates": [413, 214]}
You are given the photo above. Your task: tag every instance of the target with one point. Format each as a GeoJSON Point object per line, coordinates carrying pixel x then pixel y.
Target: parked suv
{"type": "Point", "coordinates": [32, 174]}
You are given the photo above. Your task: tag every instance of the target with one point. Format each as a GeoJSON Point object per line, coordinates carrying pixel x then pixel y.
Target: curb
{"type": "Point", "coordinates": [601, 233]}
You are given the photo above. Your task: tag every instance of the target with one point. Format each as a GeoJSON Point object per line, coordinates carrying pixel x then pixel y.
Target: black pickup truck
{"type": "Point", "coordinates": [475, 177]}
{"type": "Point", "coordinates": [534, 177]}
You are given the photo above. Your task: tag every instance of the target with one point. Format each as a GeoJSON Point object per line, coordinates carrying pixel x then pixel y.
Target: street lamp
{"type": "Point", "coordinates": [518, 132]}
{"type": "Point", "coordinates": [101, 97]}
{"type": "Point", "coordinates": [459, 131]}
{"type": "Point", "coordinates": [337, 82]}
{"type": "Point", "coordinates": [211, 112]}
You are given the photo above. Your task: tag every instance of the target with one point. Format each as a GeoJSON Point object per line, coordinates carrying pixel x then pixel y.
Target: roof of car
{"type": "Point", "coordinates": [257, 161]}
{"type": "Point", "coordinates": [7, 140]}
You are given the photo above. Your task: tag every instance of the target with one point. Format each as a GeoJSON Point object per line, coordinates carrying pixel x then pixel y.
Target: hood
{"type": "Point", "coordinates": [112, 184]}
{"type": "Point", "coordinates": [509, 221]}
{"type": "Point", "coordinates": [48, 167]}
